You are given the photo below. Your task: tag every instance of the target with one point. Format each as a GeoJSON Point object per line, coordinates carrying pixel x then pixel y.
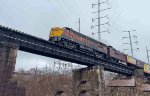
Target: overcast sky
{"type": "Point", "coordinates": [36, 17]}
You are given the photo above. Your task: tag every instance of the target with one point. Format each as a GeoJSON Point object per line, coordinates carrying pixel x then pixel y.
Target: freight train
{"type": "Point", "coordinates": [70, 38]}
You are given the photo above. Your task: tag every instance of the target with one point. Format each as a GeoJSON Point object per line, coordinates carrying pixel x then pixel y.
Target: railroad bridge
{"type": "Point", "coordinates": [89, 81]}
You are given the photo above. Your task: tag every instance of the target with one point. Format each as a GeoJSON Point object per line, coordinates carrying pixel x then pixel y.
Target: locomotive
{"type": "Point", "coordinates": [75, 40]}
{"type": "Point", "coordinates": [72, 39]}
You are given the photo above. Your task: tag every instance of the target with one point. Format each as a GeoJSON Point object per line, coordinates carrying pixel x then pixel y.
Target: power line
{"type": "Point", "coordinates": [61, 15]}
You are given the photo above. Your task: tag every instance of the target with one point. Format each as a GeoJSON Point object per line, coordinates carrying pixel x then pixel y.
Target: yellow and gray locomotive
{"type": "Point", "coordinates": [75, 40]}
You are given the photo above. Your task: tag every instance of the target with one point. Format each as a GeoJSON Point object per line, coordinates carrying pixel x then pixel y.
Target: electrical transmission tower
{"type": "Point", "coordinates": [147, 51]}
{"type": "Point", "coordinates": [131, 37]}
{"type": "Point", "coordinates": [100, 17]}
{"type": "Point", "coordinates": [62, 66]}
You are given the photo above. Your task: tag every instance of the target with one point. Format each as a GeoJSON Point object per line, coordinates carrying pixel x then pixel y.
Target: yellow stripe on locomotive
{"type": "Point", "coordinates": [56, 32]}
{"type": "Point", "coordinates": [147, 68]}
{"type": "Point", "coordinates": [131, 60]}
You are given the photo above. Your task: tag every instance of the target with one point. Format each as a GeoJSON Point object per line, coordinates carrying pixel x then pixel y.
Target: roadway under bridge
{"type": "Point", "coordinates": [39, 46]}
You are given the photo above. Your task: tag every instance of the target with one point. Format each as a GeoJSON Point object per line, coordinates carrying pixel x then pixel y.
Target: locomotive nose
{"type": "Point", "coordinates": [56, 32]}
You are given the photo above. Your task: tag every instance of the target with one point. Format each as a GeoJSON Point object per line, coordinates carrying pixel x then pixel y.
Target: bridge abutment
{"type": "Point", "coordinates": [8, 54]}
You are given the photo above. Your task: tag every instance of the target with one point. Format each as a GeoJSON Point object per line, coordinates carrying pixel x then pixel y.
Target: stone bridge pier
{"type": "Point", "coordinates": [8, 54]}
{"type": "Point", "coordinates": [88, 82]}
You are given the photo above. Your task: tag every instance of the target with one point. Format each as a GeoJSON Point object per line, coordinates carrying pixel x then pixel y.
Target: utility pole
{"type": "Point", "coordinates": [99, 17]}
{"type": "Point", "coordinates": [130, 41]}
{"type": "Point", "coordinates": [147, 51]}
{"type": "Point", "coordinates": [99, 23]}
{"type": "Point", "coordinates": [79, 25]}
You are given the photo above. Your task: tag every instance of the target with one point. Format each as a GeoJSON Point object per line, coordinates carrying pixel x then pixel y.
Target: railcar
{"type": "Point", "coordinates": [131, 60]}
{"type": "Point", "coordinates": [147, 68]}
{"type": "Point", "coordinates": [140, 63]}
{"type": "Point", "coordinates": [75, 40]}
{"type": "Point", "coordinates": [116, 56]}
